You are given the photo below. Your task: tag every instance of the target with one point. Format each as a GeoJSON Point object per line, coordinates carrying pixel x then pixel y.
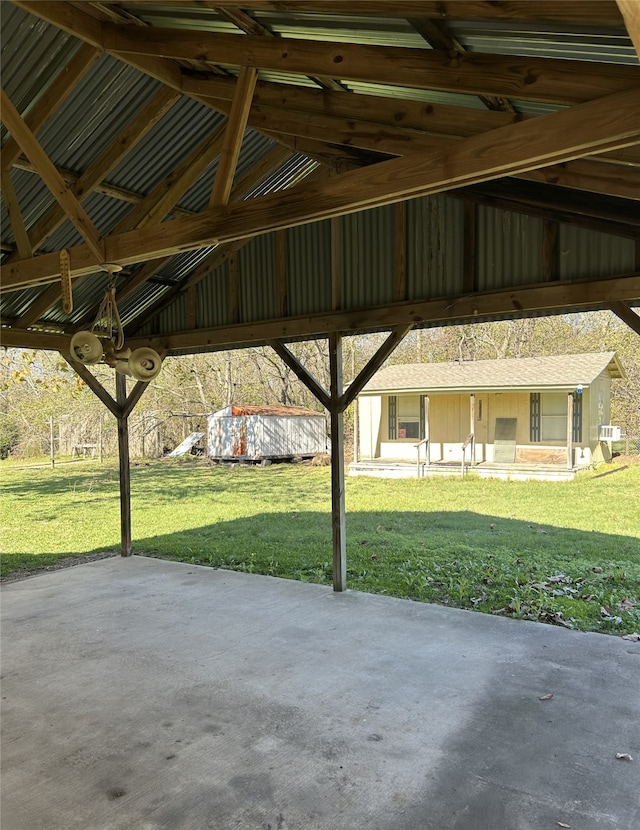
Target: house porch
{"type": "Point", "coordinates": [394, 468]}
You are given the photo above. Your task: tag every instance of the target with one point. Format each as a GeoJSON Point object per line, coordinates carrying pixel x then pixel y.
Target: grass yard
{"type": "Point", "coordinates": [560, 552]}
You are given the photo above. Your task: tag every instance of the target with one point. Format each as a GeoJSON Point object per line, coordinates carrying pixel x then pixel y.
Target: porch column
{"type": "Point", "coordinates": [338, 525]}
{"type": "Point", "coordinates": [472, 427]}
{"type": "Point", "coordinates": [427, 427]}
{"type": "Point", "coordinates": [570, 431]}
{"type": "Point", "coordinates": [125, 469]}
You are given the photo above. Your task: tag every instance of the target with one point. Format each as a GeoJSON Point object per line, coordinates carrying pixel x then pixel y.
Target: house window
{"type": "Point", "coordinates": [548, 417]}
{"type": "Point", "coordinates": [409, 416]}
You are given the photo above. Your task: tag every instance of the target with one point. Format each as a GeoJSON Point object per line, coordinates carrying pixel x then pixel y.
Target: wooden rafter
{"type": "Point", "coordinates": [23, 244]}
{"type": "Point", "coordinates": [234, 132]}
{"type": "Point", "coordinates": [50, 176]}
{"type": "Point", "coordinates": [86, 183]}
{"type": "Point", "coordinates": [590, 128]}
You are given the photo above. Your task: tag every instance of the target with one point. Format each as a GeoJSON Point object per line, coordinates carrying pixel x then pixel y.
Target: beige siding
{"type": "Point", "coordinates": [370, 419]}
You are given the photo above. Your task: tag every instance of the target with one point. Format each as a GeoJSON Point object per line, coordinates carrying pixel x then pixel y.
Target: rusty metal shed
{"type": "Point", "coordinates": [313, 168]}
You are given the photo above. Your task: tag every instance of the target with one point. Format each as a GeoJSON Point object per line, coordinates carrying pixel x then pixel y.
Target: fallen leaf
{"type": "Point", "coordinates": [623, 756]}
{"type": "Point", "coordinates": [558, 578]}
{"type": "Point", "coordinates": [546, 697]}
{"type": "Point", "coordinates": [374, 557]}
{"type": "Point", "coordinates": [562, 824]}
{"type": "Point", "coordinates": [604, 612]}
{"type": "Point", "coordinates": [597, 570]}
{"type": "Point", "coordinates": [635, 637]}
{"type": "Point", "coordinates": [626, 604]}
{"type": "Point", "coordinates": [540, 530]}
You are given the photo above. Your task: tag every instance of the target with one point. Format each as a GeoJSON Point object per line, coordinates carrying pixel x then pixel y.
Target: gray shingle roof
{"type": "Point", "coordinates": [564, 371]}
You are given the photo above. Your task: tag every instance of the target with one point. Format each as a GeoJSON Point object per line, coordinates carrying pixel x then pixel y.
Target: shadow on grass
{"type": "Point", "coordinates": [458, 558]}
{"type": "Point", "coordinates": [587, 580]}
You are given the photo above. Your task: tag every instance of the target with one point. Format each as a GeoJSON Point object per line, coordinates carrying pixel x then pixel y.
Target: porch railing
{"type": "Point", "coordinates": [469, 441]}
{"type": "Point", "coordinates": [425, 443]}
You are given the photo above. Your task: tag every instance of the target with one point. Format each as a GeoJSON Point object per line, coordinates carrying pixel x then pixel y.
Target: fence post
{"type": "Point", "coordinates": [52, 447]}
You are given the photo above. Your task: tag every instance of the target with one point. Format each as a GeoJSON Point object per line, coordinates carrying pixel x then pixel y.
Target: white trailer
{"type": "Point", "coordinates": [256, 433]}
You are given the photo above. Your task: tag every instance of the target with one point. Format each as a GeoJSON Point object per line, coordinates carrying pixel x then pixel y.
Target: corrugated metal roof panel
{"type": "Point", "coordinates": [213, 298]}
{"type": "Point", "coordinates": [428, 95]}
{"type": "Point", "coordinates": [308, 268]}
{"type": "Point", "coordinates": [93, 117]}
{"type": "Point", "coordinates": [367, 257]}
{"type": "Point", "coordinates": [181, 130]}
{"type": "Point", "coordinates": [509, 248]}
{"type": "Point", "coordinates": [257, 279]}
{"type": "Point", "coordinates": [572, 42]}
{"type": "Point", "coordinates": [344, 28]}
{"type": "Point", "coordinates": [48, 50]}
{"type": "Point", "coordinates": [585, 254]}
{"type": "Point", "coordinates": [434, 253]}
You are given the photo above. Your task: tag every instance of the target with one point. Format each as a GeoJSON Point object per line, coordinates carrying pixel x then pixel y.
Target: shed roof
{"type": "Point", "coordinates": [269, 411]}
{"type": "Point", "coordinates": [527, 373]}
{"type": "Point", "coordinates": [481, 126]}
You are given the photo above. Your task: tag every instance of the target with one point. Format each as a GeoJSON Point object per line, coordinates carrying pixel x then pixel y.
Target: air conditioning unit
{"type": "Point", "coordinates": [609, 433]}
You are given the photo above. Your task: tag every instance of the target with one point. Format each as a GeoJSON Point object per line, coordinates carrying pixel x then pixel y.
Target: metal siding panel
{"type": "Point", "coordinates": [368, 257]}
{"type": "Point", "coordinates": [309, 268]}
{"type": "Point", "coordinates": [509, 249]}
{"type": "Point", "coordinates": [213, 298]}
{"type": "Point", "coordinates": [174, 318]}
{"type": "Point", "coordinates": [257, 279]}
{"type": "Point", "coordinates": [585, 254]}
{"type": "Point", "coordinates": [434, 247]}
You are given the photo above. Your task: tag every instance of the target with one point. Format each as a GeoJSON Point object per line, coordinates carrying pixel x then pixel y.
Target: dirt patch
{"type": "Point", "coordinates": [66, 562]}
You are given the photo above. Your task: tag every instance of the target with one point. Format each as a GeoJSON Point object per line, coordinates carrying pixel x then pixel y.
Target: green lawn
{"type": "Point", "coordinates": [558, 552]}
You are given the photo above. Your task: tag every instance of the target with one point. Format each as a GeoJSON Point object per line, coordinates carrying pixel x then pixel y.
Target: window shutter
{"type": "Point", "coordinates": [422, 426]}
{"type": "Point", "coordinates": [392, 416]}
{"type": "Point", "coordinates": [577, 418]}
{"type": "Point", "coordinates": [534, 417]}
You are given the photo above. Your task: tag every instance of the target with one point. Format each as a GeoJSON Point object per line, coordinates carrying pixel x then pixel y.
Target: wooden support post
{"type": "Point", "coordinates": [570, 431]}
{"type": "Point", "coordinates": [337, 465]}
{"type": "Point", "coordinates": [125, 472]}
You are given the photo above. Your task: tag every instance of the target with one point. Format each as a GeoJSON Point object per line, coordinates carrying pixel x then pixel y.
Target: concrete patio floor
{"type": "Point", "coordinates": [140, 694]}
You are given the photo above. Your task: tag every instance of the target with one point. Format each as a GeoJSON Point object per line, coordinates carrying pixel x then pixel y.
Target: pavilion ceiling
{"type": "Point", "coordinates": [169, 137]}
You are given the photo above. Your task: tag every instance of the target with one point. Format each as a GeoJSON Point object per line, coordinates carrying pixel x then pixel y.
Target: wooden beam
{"type": "Point", "coordinates": [530, 78]}
{"type": "Point", "coordinates": [516, 302]}
{"type": "Point", "coordinates": [233, 135]}
{"type": "Point", "coordinates": [588, 128]}
{"type": "Point", "coordinates": [133, 397]}
{"type": "Point", "coordinates": [12, 205]}
{"type": "Point", "coordinates": [92, 382]}
{"type": "Point", "coordinates": [542, 298]}
{"type": "Point", "coordinates": [626, 314]}
{"type": "Point", "coordinates": [303, 375]}
{"type": "Point", "coordinates": [26, 139]}
{"type": "Point", "coordinates": [338, 519]}
{"type": "Point", "coordinates": [630, 10]}
{"type": "Point", "coordinates": [51, 98]}
{"type": "Point", "coordinates": [364, 376]}
{"type": "Point", "coordinates": [597, 12]}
